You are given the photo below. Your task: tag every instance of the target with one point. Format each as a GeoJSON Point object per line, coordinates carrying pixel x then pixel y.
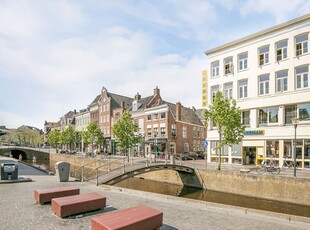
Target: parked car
{"type": "Point", "coordinates": [200, 155]}
{"type": "Point", "coordinates": [188, 156]}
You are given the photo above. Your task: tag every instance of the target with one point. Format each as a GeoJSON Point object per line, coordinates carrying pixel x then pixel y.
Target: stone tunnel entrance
{"type": "Point", "coordinates": [16, 153]}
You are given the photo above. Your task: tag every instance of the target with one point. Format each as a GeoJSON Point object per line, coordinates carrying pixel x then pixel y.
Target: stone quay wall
{"type": "Point", "coordinates": [279, 188]}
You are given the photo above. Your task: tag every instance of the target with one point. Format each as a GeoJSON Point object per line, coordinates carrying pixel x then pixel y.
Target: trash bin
{"type": "Point", "coordinates": [9, 171]}
{"type": "Point", "coordinates": [172, 160]}
{"type": "Point", "coordinates": [62, 171]}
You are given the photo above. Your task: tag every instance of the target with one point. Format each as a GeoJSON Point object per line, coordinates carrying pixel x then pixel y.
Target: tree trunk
{"type": "Point", "coordinates": [220, 152]}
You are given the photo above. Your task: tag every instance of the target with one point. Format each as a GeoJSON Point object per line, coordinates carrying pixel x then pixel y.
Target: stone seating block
{"type": "Point", "coordinates": [139, 217]}
{"type": "Point", "coordinates": [71, 205]}
{"type": "Point", "coordinates": [45, 195]}
{"type": "Point", "coordinates": [244, 170]}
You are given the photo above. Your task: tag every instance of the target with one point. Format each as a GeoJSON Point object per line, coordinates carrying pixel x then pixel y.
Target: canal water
{"type": "Point", "coordinates": [215, 197]}
{"type": "Point", "coordinates": [205, 195]}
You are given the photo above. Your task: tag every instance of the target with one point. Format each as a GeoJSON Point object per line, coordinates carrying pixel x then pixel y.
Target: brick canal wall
{"type": "Point", "coordinates": [284, 189]}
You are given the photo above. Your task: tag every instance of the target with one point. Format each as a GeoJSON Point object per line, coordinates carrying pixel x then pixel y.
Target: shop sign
{"type": "Point", "coordinates": [254, 132]}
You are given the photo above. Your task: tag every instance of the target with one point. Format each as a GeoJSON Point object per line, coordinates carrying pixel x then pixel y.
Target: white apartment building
{"type": "Point", "coordinates": [267, 73]}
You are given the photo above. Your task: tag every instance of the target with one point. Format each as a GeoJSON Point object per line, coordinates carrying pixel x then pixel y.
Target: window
{"type": "Point", "coordinates": [162, 131]}
{"type": "Point", "coordinates": [243, 88]}
{"type": "Point", "coordinates": [215, 67]}
{"type": "Point", "coordinates": [155, 131]}
{"type": "Point", "coordinates": [272, 148]}
{"type": "Point", "coordinates": [263, 54]}
{"type": "Point", "coordinates": [148, 117]}
{"type": "Point", "coordinates": [243, 61]}
{"type": "Point", "coordinates": [228, 90]}
{"type": "Point", "coordinates": [149, 132]}
{"type": "Point", "coordinates": [194, 132]}
{"type": "Point", "coordinates": [174, 130]}
{"type": "Point", "coordinates": [264, 84]}
{"type": "Point", "coordinates": [302, 79]}
{"type": "Point", "coordinates": [186, 147]}
{"type": "Point", "coordinates": [184, 132]}
{"type": "Point", "coordinates": [304, 111]}
{"type": "Point", "coordinates": [281, 78]}
{"type": "Point", "coordinates": [268, 116]}
{"type": "Point", "coordinates": [228, 65]}
{"type": "Point", "coordinates": [245, 116]}
{"type": "Point", "coordinates": [155, 116]}
{"type": "Point", "coordinates": [281, 50]}
{"type": "Point", "coordinates": [301, 42]}
{"type": "Point", "coordinates": [290, 113]}
{"type": "Point", "coordinates": [214, 90]}
{"type": "Point", "coordinates": [162, 115]}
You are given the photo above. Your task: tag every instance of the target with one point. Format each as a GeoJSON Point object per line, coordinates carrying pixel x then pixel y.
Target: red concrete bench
{"type": "Point", "coordinates": [47, 194]}
{"type": "Point", "coordinates": [71, 205]}
{"type": "Point", "coordinates": [139, 217]}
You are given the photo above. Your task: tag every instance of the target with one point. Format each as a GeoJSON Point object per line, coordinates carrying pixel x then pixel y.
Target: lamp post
{"type": "Point", "coordinates": [155, 146]}
{"type": "Point", "coordinates": [295, 122]}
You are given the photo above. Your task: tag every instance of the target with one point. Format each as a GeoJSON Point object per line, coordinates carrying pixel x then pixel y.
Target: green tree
{"type": "Point", "coordinates": [224, 114]}
{"type": "Point", "coordinates": [53, 138]}
{"type": "Point", "coordinates": [68, 136]}
{"type": "Point", "coordinates": [93, 135]}
{"type": "Point", "coordinates": [125, 130]}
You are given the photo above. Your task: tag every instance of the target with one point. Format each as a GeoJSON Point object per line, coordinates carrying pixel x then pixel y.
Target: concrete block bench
{"type": "Point", "coordinates": [71, 205]}
{"type": "Point", "coordinates": [47, 194]}
{"type": "Point", "coordinates": [244, 170]}
{"type": "Point", "coordinates": [139, 217]}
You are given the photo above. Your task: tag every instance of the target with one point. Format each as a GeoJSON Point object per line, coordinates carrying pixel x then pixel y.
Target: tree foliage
{"type": "Point", "coordinates": [224, 114]}
{"type": "Point", "coordinates": [125, 130]}
{"type": "Point", "coordinates": [67, 136]}
{"type": "Point", "coordinates": [53, 138]}
{"type": "Point", "coordinates": [93, 135]}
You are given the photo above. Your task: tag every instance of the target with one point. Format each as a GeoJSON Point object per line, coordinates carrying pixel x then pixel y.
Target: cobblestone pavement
{"type": "Point", "coordinates": [19, 210]}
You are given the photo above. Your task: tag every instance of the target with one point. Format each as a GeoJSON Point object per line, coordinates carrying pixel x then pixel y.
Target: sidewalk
{"type": "Point", "coordinates": [19, 210]}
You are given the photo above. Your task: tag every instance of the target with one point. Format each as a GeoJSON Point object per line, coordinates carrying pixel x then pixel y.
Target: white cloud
{"type": "Point", "coordinates": [281, 10]}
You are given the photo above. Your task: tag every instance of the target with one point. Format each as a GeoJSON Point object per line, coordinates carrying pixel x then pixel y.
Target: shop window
{"type": "Point", "coordinates": [272, 148]}
{"type": "Point", "coordinates": [290, 113]}
{"type": "Point", "coordinates": [307, 149]}
{"type": "Point", "coordinates": [288, 149]}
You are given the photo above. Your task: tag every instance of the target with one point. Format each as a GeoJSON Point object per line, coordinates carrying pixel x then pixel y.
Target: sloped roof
{"type": "Point", "coordinates": [143, 102]}
{"type": "Point", "coordinates": [116, 101]}
{"type": "Point", "coordinates": [95, 100]}
{"type": "Point", "coordinates": [187, 115]}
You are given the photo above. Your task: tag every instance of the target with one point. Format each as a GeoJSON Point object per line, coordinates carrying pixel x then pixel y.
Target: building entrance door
{"type": "Point", "coordinates": [248, 155]}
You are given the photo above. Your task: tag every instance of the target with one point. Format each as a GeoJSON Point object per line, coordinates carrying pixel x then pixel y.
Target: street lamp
{"type": "Point", "coordinates": [295, 122]}
{"type": "Point", "coordinates": [155, 146]}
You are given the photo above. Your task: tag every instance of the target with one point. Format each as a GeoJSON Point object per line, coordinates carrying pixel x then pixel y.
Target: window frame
{"type": "Point", "coordinates": [264, 54]}
{"type": "Point", "coordinates": [243, 61]}
{"type": "Point", "coordinates": [215, 69]}
{"type": "Point", "coordinates": [301, 51]}
{"type": "Point", "coordinates": [281, 79]}
{"type": "Point", "coordinates": [266, 85]}
{"type": "Point", "coordinates": [228, 90]}
{"type": "Point", "coordinates": [283, 49]}
{"type": "Point", "coordinates": [244, 87]}
{"type": "Point", "coordinates": [302, 76]}
{"type": "Point", "coordinates": [228, 65]}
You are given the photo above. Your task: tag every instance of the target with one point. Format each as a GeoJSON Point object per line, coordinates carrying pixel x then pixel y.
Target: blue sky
{"type": "Point", "coordinates": [55, 56]}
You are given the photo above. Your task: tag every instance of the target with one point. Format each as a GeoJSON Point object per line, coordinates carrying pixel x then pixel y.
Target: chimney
{"type": "Point", "coordinates": [178, 111]}
{"type": "Point", "coordinates": [156, 91]}
{"type": "Point", "coordinates": [122, 104]}
{"type": "Point", "coordinates": [193, 108]}
{"type": "Point", "coordinates": [137, 97]}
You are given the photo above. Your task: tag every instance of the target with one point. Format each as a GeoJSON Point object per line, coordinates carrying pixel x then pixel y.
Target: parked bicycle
{"type": "Point", "coordinates": [268, 166]}
{"type": "Point", "coordinates": [288, 163]}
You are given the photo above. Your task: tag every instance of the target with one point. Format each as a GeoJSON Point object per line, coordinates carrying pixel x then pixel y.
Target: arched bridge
{"type": "Point", "coordinates": [120, 174]}
{"type": "Point", "coordinates": [25, 152]}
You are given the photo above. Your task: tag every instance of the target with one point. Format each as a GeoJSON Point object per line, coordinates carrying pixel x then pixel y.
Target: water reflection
{"type": "Point", "coordinates": [216, 197]}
